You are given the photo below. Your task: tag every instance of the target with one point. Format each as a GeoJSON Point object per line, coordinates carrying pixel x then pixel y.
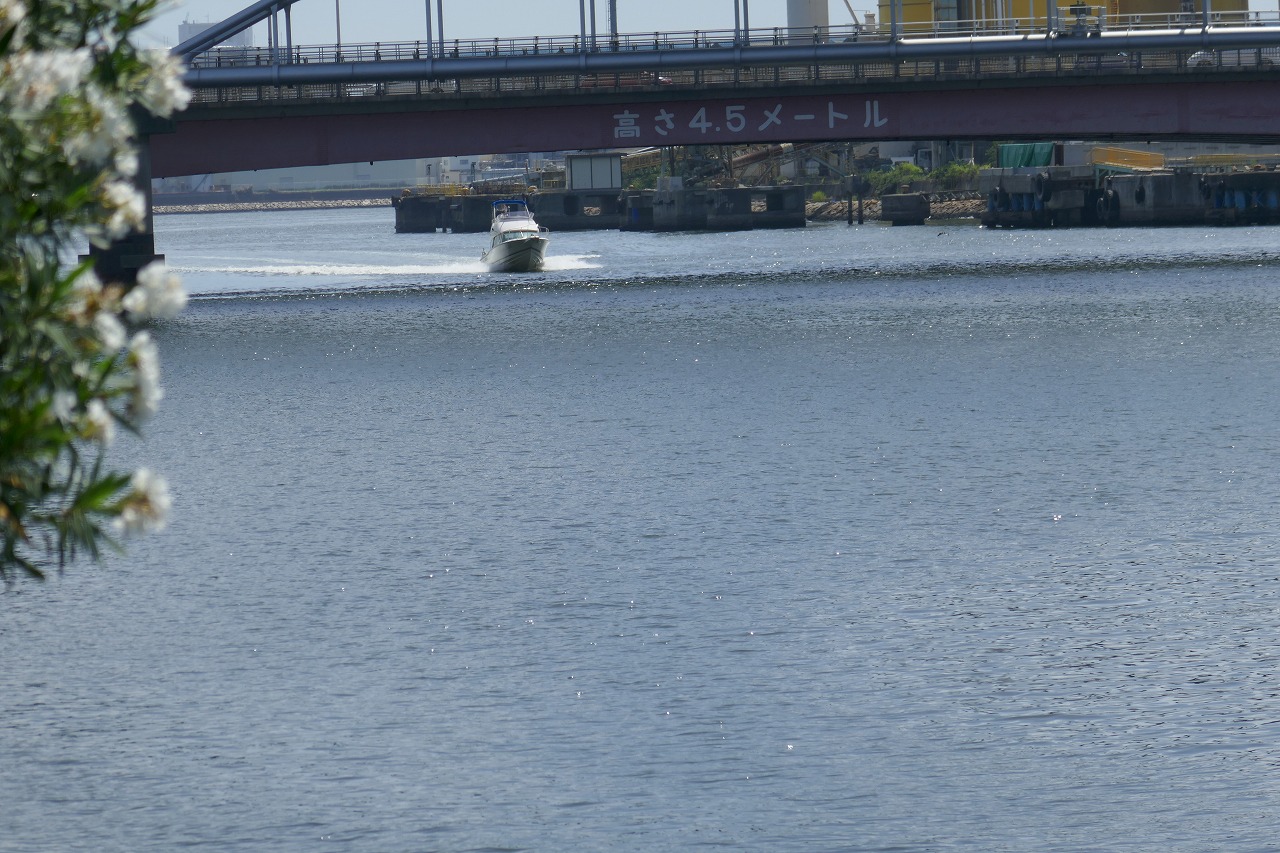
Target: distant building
{"type": "Point", "coordinates": [191, 29]}
{"type": "Point", "coordinates": [389, 174]}
{"type": "Point", "coordinates": [1002, 15]}
{"type": "Point", "coordinates": [807, 20]}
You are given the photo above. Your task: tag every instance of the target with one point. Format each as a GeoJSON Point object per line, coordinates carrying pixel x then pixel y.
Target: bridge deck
{"type": "Point", "coordinates": [970, 51]}
{"type": "Point", "coordinates": [418, 100]}
{"type": "Point", "coordinates": [1064, 66]}
{"type": "Point", "coordinates": [542, 45]}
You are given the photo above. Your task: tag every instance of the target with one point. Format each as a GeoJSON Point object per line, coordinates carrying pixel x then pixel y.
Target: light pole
{"type": "Point", "coordinates": [737, 22]}
{"type": "Point", "coordinates": [440, 24]}
{"type": "Point", "coordinates": [337, 18]}
{"type": "Point", "coordinates": [587, 10]}
{"type": "Point", "coordinates": [431, 45]}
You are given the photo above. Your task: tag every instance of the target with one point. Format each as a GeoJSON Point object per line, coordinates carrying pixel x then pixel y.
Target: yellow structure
{"type": "Point", "coordinates": [1003, 16]}
{"type": "Point", "coordinates": [1125, 158]}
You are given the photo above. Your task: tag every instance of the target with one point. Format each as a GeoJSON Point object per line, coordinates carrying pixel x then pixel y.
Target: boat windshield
{"type": "Point", "coordinates": [511, 210]}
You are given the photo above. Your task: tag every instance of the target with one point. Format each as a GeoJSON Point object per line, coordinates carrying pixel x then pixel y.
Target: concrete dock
{"type": "Point", "coordinates": [1073, 196]}
{"type": "Point", "coordinates": [700, 209]}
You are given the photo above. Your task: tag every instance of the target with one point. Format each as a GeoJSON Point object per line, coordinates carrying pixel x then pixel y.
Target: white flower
{"type": "Point", "coordinates": [110, 330]}
{"type": "Point", "coordinates": [128, 208]}
{"type": "Point", "coordinates": [33, 80]}
{"type": "Point", "coordinates": [145, 359]}
{"type": "Point", "coordinates": [99, 424]}
{"type": "Point", "coordinates": [12, 11]}
{"type": "Point", "coordinates": [126, 163]}
{"type": "Point", "coordinates": [63, 405]}
{"type": "Point", "coordinates": [158, 293]}
{"type": "Point", "coordinates": [87, 285]}
{"type": "Point", "coordinates": [147, 506]}
{"type": "Point", "coordinates": [86, 290]}
{"type": "Point", "coordinates": [11, 14]}
{"type": "Point", "coordinates": [164, 92]}
{"type": "Point", "coordinates": [105, 129]}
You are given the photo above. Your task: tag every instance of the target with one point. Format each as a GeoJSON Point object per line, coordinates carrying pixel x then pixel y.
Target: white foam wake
{"type": "Point", "coordinates": [554, 263]}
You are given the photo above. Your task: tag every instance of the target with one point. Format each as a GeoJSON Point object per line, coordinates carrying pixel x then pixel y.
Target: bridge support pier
{"type": "Point", "coordinates": [121, 261]}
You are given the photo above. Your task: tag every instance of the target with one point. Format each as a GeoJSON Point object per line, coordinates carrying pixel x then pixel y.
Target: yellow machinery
{"type": "Point", "coordinates": [989, 17]}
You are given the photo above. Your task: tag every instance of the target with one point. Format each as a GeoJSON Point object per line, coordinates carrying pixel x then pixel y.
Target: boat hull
{"type": "Point", "coordinates": [523, 255]}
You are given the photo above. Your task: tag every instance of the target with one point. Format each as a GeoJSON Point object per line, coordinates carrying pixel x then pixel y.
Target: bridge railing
{"type": "Point", "coordinates": [224, 57]}
{"type": "Point", "coordinates": [870, 60]}
{"type": "Point", "coordinates": [1078, 18]}
{"type": "Point", "coordinates": [1080, 64]}
{"type": "Point", "coordinates": [1069, 18]}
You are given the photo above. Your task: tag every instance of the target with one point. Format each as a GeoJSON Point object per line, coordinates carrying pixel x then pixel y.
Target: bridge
{"type": "Point", "coordinates": [1068, 74]}
{"type": "Point", "coordinates": [1063, 75]}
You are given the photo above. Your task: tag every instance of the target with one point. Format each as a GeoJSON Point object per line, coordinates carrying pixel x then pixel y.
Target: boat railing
{"type": "Point", "coordinates": [521, 234]}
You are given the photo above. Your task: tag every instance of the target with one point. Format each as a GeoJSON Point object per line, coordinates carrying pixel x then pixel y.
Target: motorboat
{"type": "Point", "coordinates": [517, 242]}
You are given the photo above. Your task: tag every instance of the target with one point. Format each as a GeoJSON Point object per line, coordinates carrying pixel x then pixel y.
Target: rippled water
{"type": "Point", "coordinates": [836, 539]}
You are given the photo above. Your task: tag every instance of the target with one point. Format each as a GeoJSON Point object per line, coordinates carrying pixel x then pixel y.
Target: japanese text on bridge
{"type": "Point", "coordinates": [664, 121]}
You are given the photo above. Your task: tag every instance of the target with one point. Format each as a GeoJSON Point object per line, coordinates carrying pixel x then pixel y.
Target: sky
{"type": "Point", "coordinates": [405, 20]}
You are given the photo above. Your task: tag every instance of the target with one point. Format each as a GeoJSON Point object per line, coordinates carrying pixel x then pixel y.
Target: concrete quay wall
{"type": "Point", "coordinates": [1076, 196]}
{"type": "Point", "coordinates": [731, 209]}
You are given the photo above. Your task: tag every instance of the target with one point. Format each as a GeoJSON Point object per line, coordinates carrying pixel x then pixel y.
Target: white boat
{"type": "Point", "coordinates": [517, 243]}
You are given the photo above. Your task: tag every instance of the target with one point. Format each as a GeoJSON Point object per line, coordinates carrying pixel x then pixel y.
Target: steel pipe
{"type": "Point", "coordinates": [223, 30]}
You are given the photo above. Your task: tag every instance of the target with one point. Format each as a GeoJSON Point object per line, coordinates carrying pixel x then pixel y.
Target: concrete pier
{"type": "Point", "coordinates": [904, 208]}
{"type": "Point", "coordinates": [576, 210]}
{"type": "Point", "coordinates": [121, 261]}
{"type": "Point", "coordinates": [1077, 196]}
{"type": "Point", "coordinates": [697, 209]}
{"type": "Point", "coordinates": [681, 210]}
{"type": "Point", "coordinates": [469, 214]}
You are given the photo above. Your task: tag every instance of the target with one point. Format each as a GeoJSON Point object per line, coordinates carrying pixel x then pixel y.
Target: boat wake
{"type": "Point", "coordinates": [297, 279]}
{"type": "Point", "coordinates": [337, 270]}
{"type": "Point", "coordinates": [554, 263]}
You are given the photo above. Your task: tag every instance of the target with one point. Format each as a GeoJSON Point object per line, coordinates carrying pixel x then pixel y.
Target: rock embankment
{"type": "Point", "coordinates": [941, 206]}
{"type": "Point", "coordinates": [243, 206]}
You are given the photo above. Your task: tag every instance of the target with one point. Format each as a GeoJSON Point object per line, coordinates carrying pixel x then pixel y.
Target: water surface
{"type": "Point", "coordinates": [851, 539]}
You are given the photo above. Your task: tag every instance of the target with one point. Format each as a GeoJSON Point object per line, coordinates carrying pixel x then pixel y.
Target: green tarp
{"type": "Point", "coordinates": [1026, 154]}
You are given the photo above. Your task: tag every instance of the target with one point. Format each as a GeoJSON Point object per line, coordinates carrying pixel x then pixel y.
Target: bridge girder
{"type": "Point", "coordinates": [219, 139]}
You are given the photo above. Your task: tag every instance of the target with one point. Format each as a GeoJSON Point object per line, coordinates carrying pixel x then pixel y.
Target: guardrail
{"type": "Point", "coordinates": [1065, 23]}
{"type": "Point", "coordinates": [1090, 62]}
{"type": "Point", "coordinates": [1125, 158]}
{"type": "Point", "coordinates": [1227, 162]}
